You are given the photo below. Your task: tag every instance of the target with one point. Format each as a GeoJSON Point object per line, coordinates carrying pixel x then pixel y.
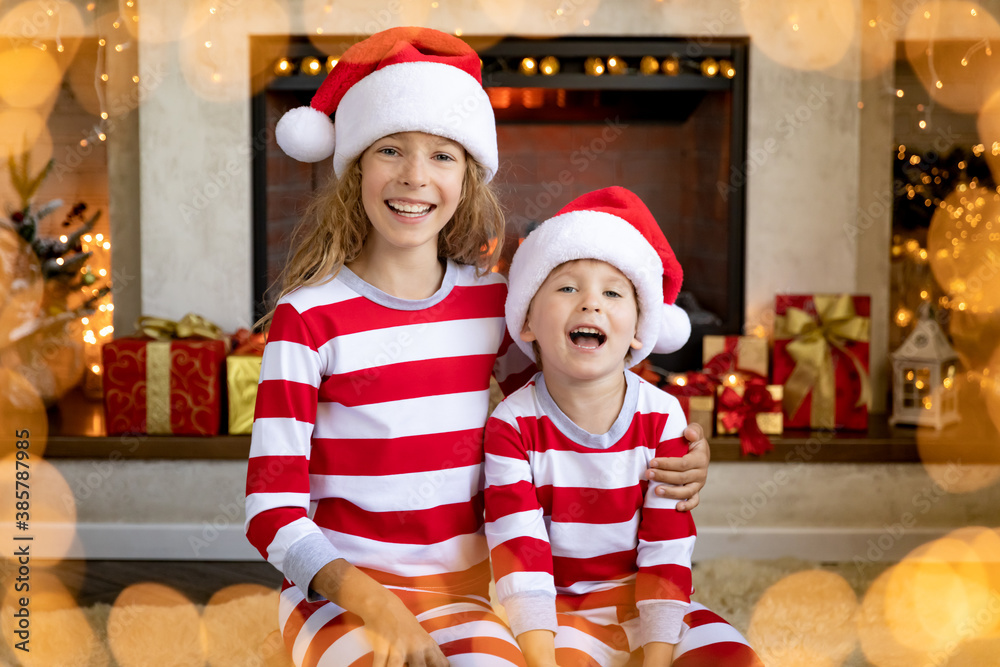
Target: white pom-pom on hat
{"type": "Point", "coordinates": [306, 134]}
{"type": "Point", "coordinates": [614, 226]}
{"type": "Point", "coordinates": [397, 80]}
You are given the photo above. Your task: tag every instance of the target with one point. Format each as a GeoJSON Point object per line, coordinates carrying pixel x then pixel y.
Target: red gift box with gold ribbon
{"type": "Point", "coordinates": [821, 357]}
{"type": "Point", "coordinates": [169, 381]}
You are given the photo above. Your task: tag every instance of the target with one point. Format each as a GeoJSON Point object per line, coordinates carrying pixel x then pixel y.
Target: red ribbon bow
{"type": "Point", "coordinates": [741, 413]}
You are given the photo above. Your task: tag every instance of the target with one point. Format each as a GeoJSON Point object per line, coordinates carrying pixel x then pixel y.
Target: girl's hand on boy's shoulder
{"type": "Point", "coordinates": [685, 475]}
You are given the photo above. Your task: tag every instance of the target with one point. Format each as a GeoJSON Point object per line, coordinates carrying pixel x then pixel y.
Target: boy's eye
{"type": "Point", "coordinates": [444, 157]}
{"type": "Point", "coordinates": [387, 151]}
{"type": "Point", "coordinates": [567, 289]}
{"type": "Point", "coordinates": [612, 294]}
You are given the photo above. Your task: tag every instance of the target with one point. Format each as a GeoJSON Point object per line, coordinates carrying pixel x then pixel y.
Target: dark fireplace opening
{"type": "Point", "coordinates": [673, 134]}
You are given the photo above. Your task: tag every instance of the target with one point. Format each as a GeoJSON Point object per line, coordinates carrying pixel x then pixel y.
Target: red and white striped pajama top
{"type": "Point", "coordinates": [580, 543]}
{"type": "Point", "coordinates": [367, 445]}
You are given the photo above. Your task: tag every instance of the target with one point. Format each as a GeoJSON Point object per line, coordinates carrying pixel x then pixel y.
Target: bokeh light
{"type": "Point", "coordinates": [153, 624]}
{"type": "Point", "coordinates": [948, 46]}
{"type": "Point", "coordinates": [942, 596]}
{"type": "Point", "coordinates": [989, 132]}
{"type": "Point", "coordinates": [238, 621]}
{"type": "Point", "coordinates": [963, 246]}
{"type": "Point", "coordinates": [59, 633]}
{"type": "Point", "coordinates": [51, 506]}
{"type": "Point", "coordinates": [54, 23]}
{"type": "Point", "coordinates": [21, 411]}
{"type": "Point", "coordinates": [802, 36]}
{"type": "Point", "coordinates": [219, 72]}
{"type": "Point", "coordinates": [29, 77]}
{"type": "Point", "coordinates": [807, 618]}
{"type": "Point", "coordinates": [25, 129]}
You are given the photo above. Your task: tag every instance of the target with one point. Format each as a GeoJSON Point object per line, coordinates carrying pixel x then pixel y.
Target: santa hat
{"type": "Point", "coordinates": [614, 226]}
{"type": "Point", "coordinates": [398, 80]}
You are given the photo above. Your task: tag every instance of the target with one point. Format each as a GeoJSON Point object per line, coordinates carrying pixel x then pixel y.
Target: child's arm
{"type": "Point", "coordinates": [666, 541]}
{"type": "Point", "coordinates": [538, 648]}
{"type": "Point", "coordinates": [658, 654]}
{"type": "Point", "coordinates": [683, 474]}
{"type": "Point", "coordinates": [519, 546]}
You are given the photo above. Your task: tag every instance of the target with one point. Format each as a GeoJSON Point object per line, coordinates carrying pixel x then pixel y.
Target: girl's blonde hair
{"type": "Point", "coordinates": [334, 227]}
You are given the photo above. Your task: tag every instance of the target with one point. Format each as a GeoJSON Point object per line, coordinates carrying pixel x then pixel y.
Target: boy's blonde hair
{"type": "Point", "coordinates": [334, 228]}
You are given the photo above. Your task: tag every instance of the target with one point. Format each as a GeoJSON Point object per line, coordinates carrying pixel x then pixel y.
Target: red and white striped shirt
{"type": "Point", "coordinates": [368, 435]}
{"type": "Point", "coordinates": [572, 522]}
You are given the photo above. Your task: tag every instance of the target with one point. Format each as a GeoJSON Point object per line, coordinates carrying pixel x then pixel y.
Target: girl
{"type": "Point", "coordinates": [364, 480]}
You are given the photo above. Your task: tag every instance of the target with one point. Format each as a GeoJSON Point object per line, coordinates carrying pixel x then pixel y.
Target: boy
{"type": "Point", "coordinates": [571, 524]}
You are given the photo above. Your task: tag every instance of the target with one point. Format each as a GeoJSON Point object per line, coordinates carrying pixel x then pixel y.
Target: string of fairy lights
{"type": "Point", "coordinates": [672, 65]}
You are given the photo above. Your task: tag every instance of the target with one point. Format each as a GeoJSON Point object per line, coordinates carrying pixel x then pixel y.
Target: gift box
{"type": "Point", "coordinates": [157, 386]}
{"type": "Point", "coordinates": [754, 411]}
{"type": "Point", "coordinates": [725, 354]}
{"type": "Point", "coordinates": [821, 358]}
{"type": "Point", "coordinates": [242, 376]}
{"type": "Point", "coordinates": [696, 394]}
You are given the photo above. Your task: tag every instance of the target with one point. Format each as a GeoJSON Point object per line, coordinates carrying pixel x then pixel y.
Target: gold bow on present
{"type": "Point", "coordinates": [811, 339]}
{"type": "Point", "coordinates": [189, 326]}
{"type": "Point", "coordinates": [162, 331]}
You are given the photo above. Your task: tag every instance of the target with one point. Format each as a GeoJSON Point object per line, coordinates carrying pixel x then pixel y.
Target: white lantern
{"type": "Point", "coordinates": [924, 390]}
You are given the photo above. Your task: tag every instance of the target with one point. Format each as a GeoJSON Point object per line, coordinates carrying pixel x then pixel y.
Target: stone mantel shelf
{"type": "Point", "coordinates": [77, 432]}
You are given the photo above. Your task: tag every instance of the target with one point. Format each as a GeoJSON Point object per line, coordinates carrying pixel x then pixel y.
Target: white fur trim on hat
{"type": "Point", "coordinates": [305, 134]}
{"type": "Point", "coordinates": [675, 329]}
{"type": "Point", "coordinates": [589, 235]}
{"type": "Point", "coordinates": [416, 96]}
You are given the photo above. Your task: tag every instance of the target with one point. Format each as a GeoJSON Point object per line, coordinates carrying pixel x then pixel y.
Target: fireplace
{"type": "Point", "coordinates": [665, 118]}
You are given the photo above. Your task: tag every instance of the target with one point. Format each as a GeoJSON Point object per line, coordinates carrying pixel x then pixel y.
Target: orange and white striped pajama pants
{"type": "Point", "coordinates": [321, 634]}
{"type": "Point", "coordinates": [600, 638]}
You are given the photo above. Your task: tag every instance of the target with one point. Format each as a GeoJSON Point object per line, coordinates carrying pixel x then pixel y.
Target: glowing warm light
{"type": "Point", "coordinates": [820, 606]}
{"type": "Point", "coordinates": [899, 93]}
{"type": "Point", "coordinates": [528, 67]}
{"type": "Point", "coordinates": [903, 318]}
{"type": "Point", "coordinates": [680, 381]}
{"type": "Point", "coordinates": [331, 62]}
{"type": "Point", "coordinates": [616, 65]}
{"type": "Point", "coordinates": [63, 238]}
{"type": "Point", "coordinates": [88, 238]}
{"type": "Point", "coordinates": [594, 66]}
{"type": "Point", "coordinates": [85, 320]}
{"type": "Point", "coordinates": [237, 622]}
{"type": "Point", "coordinates": [106, 245]}
{"type": "Point", "coordinates": [549, 65]}
{"type": "Point", "coordinates": [283, 67]}
{"type": "Point", "coordinates": [727, 69]}
{"type": "Point", "coordinates": [154, 624]}
{"type": "Point", "coordinates": [111, 307]}
{"type": "Point", "coordinates": [95, 368]}
{"type": "Point", "coordinates": [649, 65]}
{"type": "Point", "coordinates": [802, 36]}
{"type": "Point", "coordinates": [104, 77]}
{"type": "Point", "coordinates": [709, 67]}
{"type": "Point", "coordinates": [922, 124]}
{"type": "Point", "coordinates": [671, 66]}
{"type": "Point", "coordinates": [311, 66]}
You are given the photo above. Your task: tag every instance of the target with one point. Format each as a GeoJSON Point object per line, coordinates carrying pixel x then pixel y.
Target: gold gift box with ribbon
{"type": "Point", "coordinates": [242, 376]}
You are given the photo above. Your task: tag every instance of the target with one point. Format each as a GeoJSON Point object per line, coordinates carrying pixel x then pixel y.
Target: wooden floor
{"type": "Point", "coordinates": [103, 580]}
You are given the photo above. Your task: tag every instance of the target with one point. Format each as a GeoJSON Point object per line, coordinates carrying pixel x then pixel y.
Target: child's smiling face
{"type": "Point", "coordinates": [583, 319]}
{"type": "Point", "coordinates": [411, 184]}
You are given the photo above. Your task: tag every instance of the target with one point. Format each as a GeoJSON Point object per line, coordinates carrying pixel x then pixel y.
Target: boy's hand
{"type": "Point", "coordinates": [687, 473]}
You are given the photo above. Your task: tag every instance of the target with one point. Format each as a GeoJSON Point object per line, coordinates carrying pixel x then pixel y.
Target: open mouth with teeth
{"type": "Point", "coordinates": [408, 210]}
{"type": "Point", "coordinates": [587, 337]}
